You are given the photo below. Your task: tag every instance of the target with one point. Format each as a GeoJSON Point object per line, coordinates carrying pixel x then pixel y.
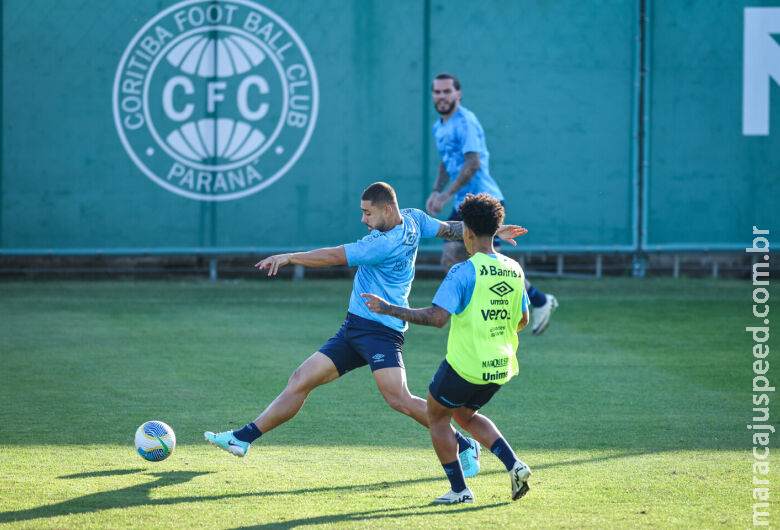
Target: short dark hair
{"type": "Point", "coordinates": [447, 75]}
{"type": "Point", "coordinates": [380, 193]}
{"type": "Point", "coordinates": [482, 213]}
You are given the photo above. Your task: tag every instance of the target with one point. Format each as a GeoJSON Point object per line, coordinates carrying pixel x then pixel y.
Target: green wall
{"type": "Point", "coordinates": [708, 184]}
{"type": "Point", "coordinates": [554, 84]}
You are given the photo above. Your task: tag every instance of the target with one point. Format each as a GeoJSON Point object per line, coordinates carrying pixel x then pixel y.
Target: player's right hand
{"type": "Point", "coordinates": [273, 263]}
{"type": "Point", "coordinates": [431, 205]}
{"type": "Point", "coordinates": [375, 303]}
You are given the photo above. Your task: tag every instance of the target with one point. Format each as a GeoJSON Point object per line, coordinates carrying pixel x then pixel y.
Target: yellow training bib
{"type": "Point", "coordinates": [482, 344]}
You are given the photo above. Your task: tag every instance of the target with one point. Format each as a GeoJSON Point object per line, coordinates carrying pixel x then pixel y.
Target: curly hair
{"type": "Point", "coordinates": [482, 213]}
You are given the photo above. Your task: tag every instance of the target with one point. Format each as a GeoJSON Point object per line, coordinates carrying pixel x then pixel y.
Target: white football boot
{"type": "Point", "coordinates": [542, 315]}
{"type": "Point", "coordinates": [456, 498]}
{"type": "Point", "coordinates": [519, 476]}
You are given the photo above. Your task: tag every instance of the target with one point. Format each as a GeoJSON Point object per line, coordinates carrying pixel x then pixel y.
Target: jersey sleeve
{"type": "Point", "coordinates": [429, 226]}
{"type": "Point", "coordinates": [455, 291]}
{"type": "Point", "coordinates": [372, 249]}
{"type": "Point", "coordinates": [525, 301]}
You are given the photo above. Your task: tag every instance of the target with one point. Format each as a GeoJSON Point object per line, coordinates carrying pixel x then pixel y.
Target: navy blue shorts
{"type": "Point", "coordinates": [361, 342]}
{"type": "Point", "coordinates": [452, 391]}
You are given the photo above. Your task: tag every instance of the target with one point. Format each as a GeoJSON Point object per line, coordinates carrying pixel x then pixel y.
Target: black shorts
{"type": "Point", "coordinates": [361, 342]}
{"type": "Point", "coordinates": [452, 391]}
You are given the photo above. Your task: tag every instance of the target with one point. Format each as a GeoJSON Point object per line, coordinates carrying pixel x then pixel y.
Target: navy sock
{"type": "Point", "coordinates": [537, 298]}
{"type": "Point", "coordinates": [504, 453]}
{"type": "Point", "coordinates": [249, 433]}
{"type": "Point", "coordinates": [463, 444]}
{"type": "Point", "coordinates": [455, 474]}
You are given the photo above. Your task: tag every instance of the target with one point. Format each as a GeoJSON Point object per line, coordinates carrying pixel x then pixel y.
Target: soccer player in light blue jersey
{"type": "Point", "coordinates": [465, 168]}
{"type": "Point", "coordinates": [385, 260]}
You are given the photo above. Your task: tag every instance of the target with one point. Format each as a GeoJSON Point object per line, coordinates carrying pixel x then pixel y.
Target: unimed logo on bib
{"type": "Point", "coordinates": [215, 100]}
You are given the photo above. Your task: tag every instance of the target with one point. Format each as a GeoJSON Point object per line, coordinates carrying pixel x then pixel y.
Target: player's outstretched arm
{"type": "Point", "coordinates": [450, 230]}
{"type": "Point", "coordinates": [429, 316]}
{"type": "Point", "coordinates": [453, 231]}
{"type": "Point", "coordinates": [508, 233]}
{"type": "Point", "coordinates": [322, 257]}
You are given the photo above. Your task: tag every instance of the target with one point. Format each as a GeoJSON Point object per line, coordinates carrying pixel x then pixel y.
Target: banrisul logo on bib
{"type": "Point", "coordinates": [215, 100]}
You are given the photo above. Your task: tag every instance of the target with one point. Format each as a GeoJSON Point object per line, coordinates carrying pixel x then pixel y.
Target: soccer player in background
{"type": "Point", "coordinates": [385, 260]}
{"type": "Point", "coordinates": [465, 168]}
{"type": "Point", "coordinates": [488, 305]}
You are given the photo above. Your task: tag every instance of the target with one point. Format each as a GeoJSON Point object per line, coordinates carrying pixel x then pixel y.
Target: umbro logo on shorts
{"type": "Point", "coordinates": [379, 357]}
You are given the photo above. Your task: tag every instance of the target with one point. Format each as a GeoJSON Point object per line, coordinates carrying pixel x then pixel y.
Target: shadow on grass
{"type": "Point", "coordinates": [137, 495]}
{"type": "Point", "coordinates": [106, 473]}
{"type": "Point", "coordinates": [388, 513]}
{"type": "Point", "coordinates": [441, 478]}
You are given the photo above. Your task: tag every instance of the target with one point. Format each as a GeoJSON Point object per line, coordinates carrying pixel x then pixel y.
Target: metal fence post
{"type": "Point", "coordinates": [213, 269]}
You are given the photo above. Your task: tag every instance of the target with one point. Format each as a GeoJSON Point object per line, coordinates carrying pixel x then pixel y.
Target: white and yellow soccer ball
{"type": "Point", "coordinates": [155, 441]}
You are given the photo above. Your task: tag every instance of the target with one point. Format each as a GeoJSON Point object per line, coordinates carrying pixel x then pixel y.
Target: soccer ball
{"type": "Point", "coordinates": [155, 440]}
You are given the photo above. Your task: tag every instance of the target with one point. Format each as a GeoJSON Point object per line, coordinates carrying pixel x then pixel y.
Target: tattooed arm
{"type": "Point", "coordinates": [438, 199]}
{"type": "Point", "coordinates": [432, 205]}
{"type": "Point", "coordinates": [451, 230]}
{"type": "Point", "coordinates": [470, 167]}
{"type": "Point", "coordinates": [429, 316]}
{"type": "Point", "coordinates": [442, 177]}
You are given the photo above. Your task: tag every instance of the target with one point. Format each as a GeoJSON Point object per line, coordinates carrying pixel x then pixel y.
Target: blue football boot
{"type": "Point", "coordinates": [228, 442]}
{"type": "Point", "coordinates": [469, 459]}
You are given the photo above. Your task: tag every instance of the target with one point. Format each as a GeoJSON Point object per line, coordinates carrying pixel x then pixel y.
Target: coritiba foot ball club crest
{"type": "Point", "coordinates": [215, 100]}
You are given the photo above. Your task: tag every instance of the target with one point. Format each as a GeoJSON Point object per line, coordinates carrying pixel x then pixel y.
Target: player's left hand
{"type": "Point", "coordinates": [508, 233]}
{"type": "Point", "coordinates": [375, 303]}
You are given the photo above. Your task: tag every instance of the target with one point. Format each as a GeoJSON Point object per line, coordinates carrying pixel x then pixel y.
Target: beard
{"type": "Point", "coordinates": [447, 110]}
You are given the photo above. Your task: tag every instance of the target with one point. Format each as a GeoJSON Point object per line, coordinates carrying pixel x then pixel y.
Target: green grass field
{"type": "Point", "coordinates": [631, 410]}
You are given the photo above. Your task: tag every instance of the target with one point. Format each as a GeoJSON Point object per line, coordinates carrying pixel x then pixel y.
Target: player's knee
{"type": "Point", "coordinates": [463, 417]}
{"type": "Point", "coordinates": [299, 381]}
{"type": "Point", "coordinates": [462, 424]}
{"type": "Point", "coordinates": [399, 402]}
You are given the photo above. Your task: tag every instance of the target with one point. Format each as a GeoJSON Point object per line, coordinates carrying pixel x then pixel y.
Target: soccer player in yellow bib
{"type": "Point", "coordinates": [488, 305]}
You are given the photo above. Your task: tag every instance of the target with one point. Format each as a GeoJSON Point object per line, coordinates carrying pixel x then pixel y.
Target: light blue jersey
{"type": "Point", "coordinates": [386, 264]}
{"type": "Point", "coordinates": [462, 134]}
{"type": "Point", "coordinates": [455, 291]}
